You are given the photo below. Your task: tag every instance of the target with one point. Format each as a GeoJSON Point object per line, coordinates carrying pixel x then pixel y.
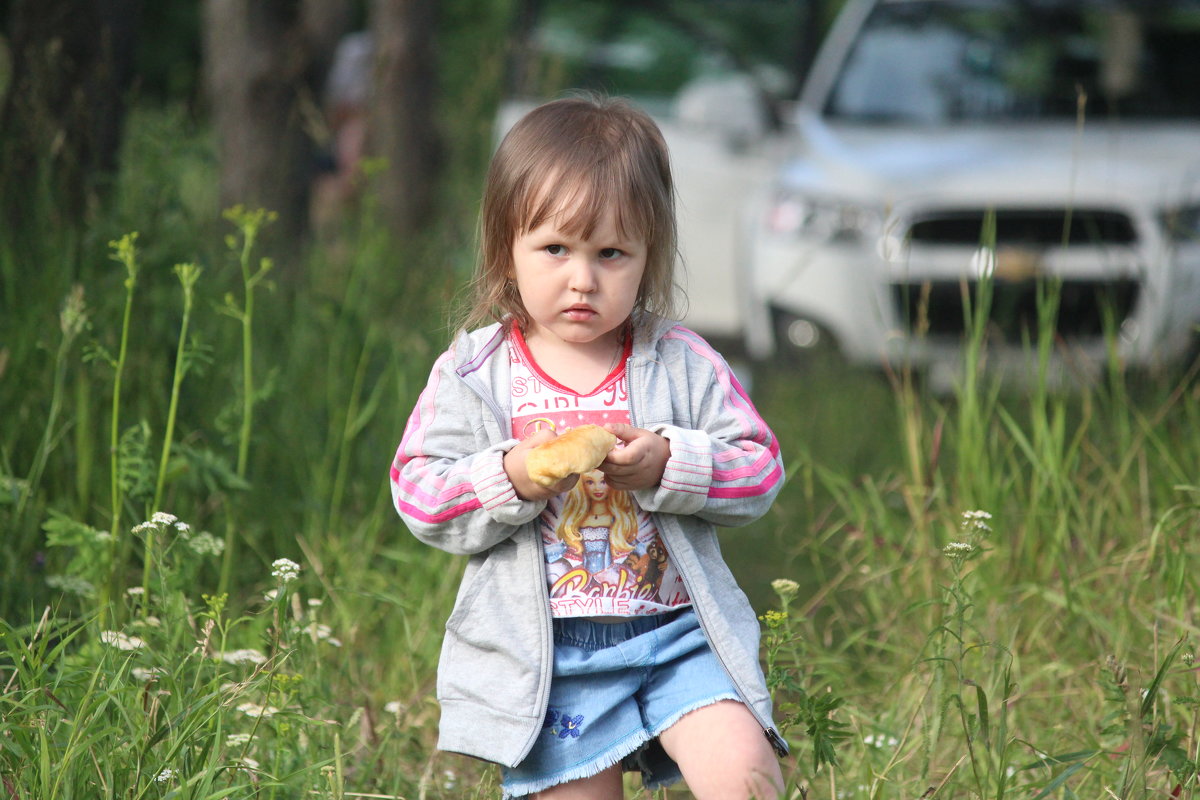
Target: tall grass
{"type": "Point", "coordinates": [206, 594]}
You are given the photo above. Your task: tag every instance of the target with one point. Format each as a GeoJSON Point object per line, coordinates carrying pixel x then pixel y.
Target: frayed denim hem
{"type": "Point", "coordinates": [612, 756]}
{"type": "Point", "coordinates": [678, 715]}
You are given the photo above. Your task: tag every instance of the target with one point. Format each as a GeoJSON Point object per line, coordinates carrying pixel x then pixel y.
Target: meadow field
{"type": "Point", "coordinates": [205, 592]}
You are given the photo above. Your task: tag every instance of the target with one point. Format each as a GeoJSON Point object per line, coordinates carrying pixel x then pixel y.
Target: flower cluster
{"type": "Point", "coordinates": [256, 710]}
{"type": "Point", "coordinates": [285, 570]}
{"type": "Point", "coordinates": [160, 521]}
{"type": "Point", "coordinates": [246, 656]}
{"type": "Point", "coordinates": [237, 740]}
{"type": "Point", "coordinates": [122, 641]}
{"type": "Point", "coordinates": [976, 522]}
{"type": "Point", "coordinates": [880, 741]}
{"type": "Point", "coordinates": [974, 525]}
{"type": "Point", "coordinates": [958, 550]}
{"type": "Point", "coordinates": [785, 588]}
{"type": "Point", "coordinates": [774, 619]}
{"type": "Point", "coordinates": [205, 544]}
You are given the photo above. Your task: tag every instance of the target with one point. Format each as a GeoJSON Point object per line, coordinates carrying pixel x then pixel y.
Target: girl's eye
{"type": "Point", "coordinates": [610, 252]}
{"type": "Point", "coordinates": [555, 249]}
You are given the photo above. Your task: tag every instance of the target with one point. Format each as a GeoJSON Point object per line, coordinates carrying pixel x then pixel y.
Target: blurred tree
{"type": "Point", "coordinates": [562, 44]}
{"type": "Point", "coordinates": [264, 61]}
{"type": "Point", "coordinates": [401, 124]}
{"type": "Point", "coordinates": [62, 114]}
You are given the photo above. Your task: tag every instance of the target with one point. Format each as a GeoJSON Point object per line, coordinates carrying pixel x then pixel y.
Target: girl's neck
{"type": "Point", "coordinates": [581, 367]}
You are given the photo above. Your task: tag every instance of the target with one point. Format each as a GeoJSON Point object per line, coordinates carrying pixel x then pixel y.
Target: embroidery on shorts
{"type": "Point", "coordinates": [562, 724]}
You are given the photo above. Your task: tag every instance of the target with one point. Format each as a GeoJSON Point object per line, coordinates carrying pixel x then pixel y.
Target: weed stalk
{"type": "Point", "coordinates": [248, 223]}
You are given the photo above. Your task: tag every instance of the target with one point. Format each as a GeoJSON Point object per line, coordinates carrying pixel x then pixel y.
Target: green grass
{"type": "Point", "coordinates": [1044, 651]}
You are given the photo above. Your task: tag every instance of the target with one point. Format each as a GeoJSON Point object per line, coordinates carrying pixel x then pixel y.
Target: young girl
{"type": "Point", "coordinates": [565, 689]}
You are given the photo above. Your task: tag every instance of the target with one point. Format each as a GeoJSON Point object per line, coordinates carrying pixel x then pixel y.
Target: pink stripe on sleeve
{"type": "Point", "coordinates": [757, 489]}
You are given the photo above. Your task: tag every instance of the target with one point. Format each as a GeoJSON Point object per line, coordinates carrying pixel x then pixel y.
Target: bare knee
{"type": "Point", "coordinates": [603, 786]}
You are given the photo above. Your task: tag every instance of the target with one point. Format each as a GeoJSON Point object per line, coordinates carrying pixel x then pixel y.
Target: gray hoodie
{"type": "Point", "coordinates": [449, 485]}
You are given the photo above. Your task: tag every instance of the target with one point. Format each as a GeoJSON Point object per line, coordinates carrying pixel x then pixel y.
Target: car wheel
{"type": "Point", "coordinates": [800, 340]}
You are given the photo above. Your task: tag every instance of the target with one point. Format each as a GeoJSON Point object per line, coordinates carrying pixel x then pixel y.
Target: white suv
{"type": "Point", "coordinates": [1051, 146]}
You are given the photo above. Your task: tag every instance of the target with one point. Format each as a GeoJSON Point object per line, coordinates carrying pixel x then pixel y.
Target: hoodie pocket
{"type": "Point", "coordinates": [491, 654]}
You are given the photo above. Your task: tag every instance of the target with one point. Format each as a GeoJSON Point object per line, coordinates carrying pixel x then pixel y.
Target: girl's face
{"type": "Point", "coordinates": [578, 291]}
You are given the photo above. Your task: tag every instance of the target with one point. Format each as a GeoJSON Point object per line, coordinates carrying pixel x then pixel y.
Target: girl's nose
{"type": "Point", "coordinates": [583, 277]}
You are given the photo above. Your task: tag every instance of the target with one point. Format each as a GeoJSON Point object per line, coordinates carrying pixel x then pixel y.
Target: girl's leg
{"type": "Point", "coordinates": [605, 785]}
{"type": "Point", "coordinates": [723, 754]}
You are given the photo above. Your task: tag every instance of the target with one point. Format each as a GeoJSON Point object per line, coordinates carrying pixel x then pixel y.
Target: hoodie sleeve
{"type": "Point", "coordinates": [725, 464]}
{"type": "Point", "coordinates": [451, 494]}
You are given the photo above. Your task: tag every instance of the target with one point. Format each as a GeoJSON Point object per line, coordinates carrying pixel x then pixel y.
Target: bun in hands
{"type": "Point", "coordinates": [577, 451]}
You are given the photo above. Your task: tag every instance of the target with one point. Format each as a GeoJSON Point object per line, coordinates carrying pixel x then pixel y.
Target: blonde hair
{"type": "Point", "coordinates": [622, 534]}
{"type": "Point", "coordinates": [590, 153]}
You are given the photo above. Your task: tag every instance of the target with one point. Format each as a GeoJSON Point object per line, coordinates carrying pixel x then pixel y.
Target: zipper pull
{"type": "Point", "coordinates": [777, 743]}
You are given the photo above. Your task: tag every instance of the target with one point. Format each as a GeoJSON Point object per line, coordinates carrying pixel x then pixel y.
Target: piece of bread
{"type": "Point", "coordinates": [576, 451]}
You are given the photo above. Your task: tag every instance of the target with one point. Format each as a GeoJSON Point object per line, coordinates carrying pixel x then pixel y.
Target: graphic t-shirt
{"type": "Point", "coordinates": [604, 556]}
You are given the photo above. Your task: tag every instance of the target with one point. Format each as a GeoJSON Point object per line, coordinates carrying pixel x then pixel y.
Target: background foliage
{"type": "Point", "coordinates": [989, 594]}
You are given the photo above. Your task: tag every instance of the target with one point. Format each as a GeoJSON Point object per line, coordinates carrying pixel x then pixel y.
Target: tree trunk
{"type": "Point", "coordinates": [260, 70]}
{"type": "Point", "coordinates": [401, 127]}
{"type": "Point", "coordinates": [62, 116]}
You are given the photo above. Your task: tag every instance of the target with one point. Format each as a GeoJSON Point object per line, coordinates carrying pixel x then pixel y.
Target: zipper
{"type": "Point", "coordinates": [542, 701]}
{"type": "Point", "coordinates": [777, 742]}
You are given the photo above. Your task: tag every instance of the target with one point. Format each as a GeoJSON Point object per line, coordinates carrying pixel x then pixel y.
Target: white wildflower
{"type": "Point", "coordinates": [121, 641]}
{"type": "Point", "coordinates": [785, 588]}
{"type": "Point", "coordinates": [244, 656]}
{"type": "Point", "coordinates": [957, 550]}
{"type": "Point", "coordinates": [183, 527]}
{"type": "Point", "coordinates": [71, 584]}
{"type": "Point", "coordinates": [394, 707]}
{"type": "Point", "coordinates": [166, 775]}
{"type": "Point", "coordinates": [285, 570]}
{"type": "Point", "coordinates": [315, 602]}
{"type": "Point", "coordinates": [146, 675]}
{"type": "Point", "coordinates": [143, 527]}
{"type": "Point", "coordinates": [163, 519]}
{"type": "Point", "coordinates": [135, 591]}
{"type": "Point", "coordinates": [449, 780]}
{"type": "Point", "coordinates": [976, 521]}
{"type": "Point", "coordinates": [323, 633]}
{"type": "Point", "coordinates": [255, 710]}
{"type": "Point", "coordinates": [237, 740]}
{"type": "Point", "coordinates": [205, 544]}
{"type": "Point", "coordinates": [880, 741]}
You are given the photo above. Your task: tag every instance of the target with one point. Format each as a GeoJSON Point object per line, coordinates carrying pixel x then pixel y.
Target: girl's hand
{"type": "Point", "coordinates": [518, 474]}
{"type": "Point", "coordinates": [640, 463]}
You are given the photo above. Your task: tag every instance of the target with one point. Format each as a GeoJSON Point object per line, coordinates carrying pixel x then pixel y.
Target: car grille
{"type": "Point", "coordinates": [1086, 305]}
{"type": "Point", "coordinates": [1029, 227]}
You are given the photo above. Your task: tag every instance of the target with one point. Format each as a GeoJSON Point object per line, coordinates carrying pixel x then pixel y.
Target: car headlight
{"type": "Point", "coordinates": [1182, 224]}
{"type": "Point", "coordinates": [806, 215]}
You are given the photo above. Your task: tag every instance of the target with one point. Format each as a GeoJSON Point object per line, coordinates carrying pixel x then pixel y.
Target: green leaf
{"type": "Point", "coordinates": [984, 727]}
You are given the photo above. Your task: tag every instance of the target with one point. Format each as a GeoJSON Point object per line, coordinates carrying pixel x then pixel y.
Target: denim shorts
{"type": "Point", "coordinates": [617, 686]}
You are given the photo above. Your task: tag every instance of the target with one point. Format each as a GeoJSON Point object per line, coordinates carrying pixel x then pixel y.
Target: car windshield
{"type": "Point", "coordinates": [961, 61]}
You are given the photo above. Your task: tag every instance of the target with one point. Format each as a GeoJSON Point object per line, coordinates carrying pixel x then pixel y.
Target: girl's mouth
{"type": "Point", "coordinates": [580, 313]}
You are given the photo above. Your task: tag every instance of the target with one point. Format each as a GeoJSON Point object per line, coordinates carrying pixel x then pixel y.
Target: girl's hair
{"type": "Point", "coordinates": [589, 153]}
